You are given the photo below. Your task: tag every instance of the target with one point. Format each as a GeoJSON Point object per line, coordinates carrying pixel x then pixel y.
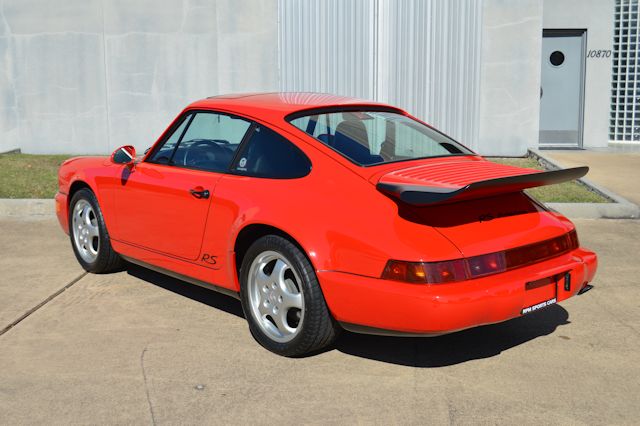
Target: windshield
{"type": "Point", "coordinates": [377, 137]}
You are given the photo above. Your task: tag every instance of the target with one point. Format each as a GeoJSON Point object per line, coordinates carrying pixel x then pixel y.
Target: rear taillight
{"type": "Point", "coordinates": [425, 272]}
{"type": "Point", "coordinates": [479, 266]}
{"type": "Point", "coordinates": [487, 264]}
{"type": "Point", "coordinates": [573, 238]}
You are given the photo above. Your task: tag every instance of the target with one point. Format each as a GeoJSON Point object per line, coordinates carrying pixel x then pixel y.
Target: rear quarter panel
{"type": "Point", "coordinates": [340, 220]}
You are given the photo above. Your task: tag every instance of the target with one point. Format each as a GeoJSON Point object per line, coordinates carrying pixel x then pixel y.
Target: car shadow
{"type": "Point", "coordinates": [450, 349]}
{"type": "Point", "coordinates": [199, 294]}
{"type": "Point", "coordinates": [427, 352]}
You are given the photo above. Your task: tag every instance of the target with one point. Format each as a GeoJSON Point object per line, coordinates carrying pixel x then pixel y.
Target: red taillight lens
{"type": "Point", "coordinates": [444, 272]}
{"type": "Point", "coordinates": [412, 272]}
{"type": "Point", "coordinates": [479, 266]}
{"type": "Point", "coordinates": [573, 240]}
{"type": "Point", "coordinates": [532, 253]}
{"type": "Point", "coordinates": [421, 272]}
{"type": "Point", "coordinates": [487, 264]}
{"type": "Point", "coordinates": [395, 270]}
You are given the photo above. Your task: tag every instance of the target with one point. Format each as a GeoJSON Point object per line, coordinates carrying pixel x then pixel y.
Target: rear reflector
{"type": "Point", "coordinates": [479, 266]}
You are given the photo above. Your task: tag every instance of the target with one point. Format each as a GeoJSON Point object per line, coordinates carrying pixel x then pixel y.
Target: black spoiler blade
{"type": "Point", "coordinates": [424, 195]}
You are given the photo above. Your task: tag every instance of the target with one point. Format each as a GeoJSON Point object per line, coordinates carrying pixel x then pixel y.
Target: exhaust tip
{"type": "Point", "coordinates": [585, 289]}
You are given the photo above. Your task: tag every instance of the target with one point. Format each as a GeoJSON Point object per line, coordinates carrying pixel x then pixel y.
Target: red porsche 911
{"type": "Point", "coordinates": [323, 213]}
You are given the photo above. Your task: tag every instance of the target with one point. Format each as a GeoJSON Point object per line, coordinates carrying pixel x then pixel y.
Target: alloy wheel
{"type": "Point", "coordinates": [275, 295]}
{"type": "Point", "coordinates": [86, 233]}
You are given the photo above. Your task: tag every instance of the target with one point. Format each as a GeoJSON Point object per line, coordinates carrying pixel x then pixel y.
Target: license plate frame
{"type": "Point", "coordinates": [541, 293]}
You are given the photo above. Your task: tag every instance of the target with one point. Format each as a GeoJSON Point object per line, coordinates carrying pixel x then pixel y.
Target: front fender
{"type": "Point", "coordinates": [97, 173]}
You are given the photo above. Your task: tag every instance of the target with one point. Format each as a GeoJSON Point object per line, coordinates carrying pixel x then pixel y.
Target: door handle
{"type": "Point", "coordinates": [203, 193]}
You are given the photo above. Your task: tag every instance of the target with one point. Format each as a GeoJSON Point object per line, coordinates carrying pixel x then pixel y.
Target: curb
{"type": "Point", "coordinates": [27, 208]}
{"type": "Point", "coordinates": [11, 151]}
{"type": "Point", "coordinates": [619, 208]}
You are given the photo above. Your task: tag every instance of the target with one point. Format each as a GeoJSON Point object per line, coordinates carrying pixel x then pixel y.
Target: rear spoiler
{"type": "Point", "coordinates": [424, 195]}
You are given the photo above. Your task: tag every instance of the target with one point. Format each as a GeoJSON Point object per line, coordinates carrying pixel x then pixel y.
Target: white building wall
{"type": "Point", "coordinates": [597, 17]}
{"type": "Point", "coordinates": [85, 76]}
{"type": "Point", "coordinates": [469, 67]}
{"type": "Point", "coordinates": [429, 62]}
{"type": "Point", "coordinates": [510, 79]}
{"type": "Point", "coordinates": [422, 56]}
{"type": "Point", "coordinates": [328, 46]}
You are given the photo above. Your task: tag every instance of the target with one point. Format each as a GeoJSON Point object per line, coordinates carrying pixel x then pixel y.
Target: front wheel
{"type": "Point", "coordinates": [89, 236]}
{"type": "Point", "coordinates": [282, 299]}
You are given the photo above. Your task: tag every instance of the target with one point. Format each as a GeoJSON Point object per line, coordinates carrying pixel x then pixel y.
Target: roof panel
{"type": "Point", "coordinates": [282, 102]}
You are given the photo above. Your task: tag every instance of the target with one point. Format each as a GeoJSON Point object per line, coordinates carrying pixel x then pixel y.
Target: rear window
{"type": "Point", "coordinates": [377, 137]}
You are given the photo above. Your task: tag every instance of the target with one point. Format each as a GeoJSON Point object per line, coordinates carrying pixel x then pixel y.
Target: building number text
{"type": "Point", "coordinates": [599, 53]}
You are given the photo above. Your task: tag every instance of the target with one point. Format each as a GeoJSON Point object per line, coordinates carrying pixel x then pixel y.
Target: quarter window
{"type": "Point", "coordinates": [268, 154]}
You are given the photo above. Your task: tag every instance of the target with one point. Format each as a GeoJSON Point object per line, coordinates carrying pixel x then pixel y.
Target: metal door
{"type": "Point", "coordinates": [156, 208]}
{"type": "Point", "coordinates": [562, 88]}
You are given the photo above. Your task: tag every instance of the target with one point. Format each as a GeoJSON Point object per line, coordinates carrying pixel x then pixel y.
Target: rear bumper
{"type": "Point", "coordinates": [62, 211]}
{"type": "Point", "coordinates": [388, 307]}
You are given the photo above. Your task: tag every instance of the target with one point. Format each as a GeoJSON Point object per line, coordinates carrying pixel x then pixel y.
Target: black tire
{"type": "Point", "coordinates": [107, 260]}
{"type": "Point", "coordinates": [318, 329]}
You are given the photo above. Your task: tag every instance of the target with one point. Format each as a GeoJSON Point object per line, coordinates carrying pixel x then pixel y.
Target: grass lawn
{"type": "Point", "coordinates": [29, 176]}
{"type": "Point", "coordinates": [36, 176]}
{"type": "Point", "coordinates": [568, 192]}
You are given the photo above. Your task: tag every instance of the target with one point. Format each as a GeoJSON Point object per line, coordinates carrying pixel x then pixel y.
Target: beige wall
{"type": "Point", "coordinates": [597, 17]}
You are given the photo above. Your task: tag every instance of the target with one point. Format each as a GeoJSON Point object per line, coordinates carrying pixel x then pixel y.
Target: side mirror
{"type": "Point", "coordinates": [124, 155]}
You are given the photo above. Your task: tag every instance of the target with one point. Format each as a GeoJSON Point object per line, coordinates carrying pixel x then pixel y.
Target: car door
{"type": "Point", "coordinates": [162, 203]}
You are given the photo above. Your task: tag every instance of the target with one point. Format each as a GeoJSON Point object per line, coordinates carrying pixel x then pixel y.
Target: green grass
{"type": "Point", "coordinates": [29, 176]}
{"type": "Point", "coordinates": [36, 176]}
{"type": "Point", "coordinates": [568, 192]}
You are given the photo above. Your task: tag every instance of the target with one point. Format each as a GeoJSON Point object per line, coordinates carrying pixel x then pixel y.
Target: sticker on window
{"type": "Point", "coordinates": [241, 164]}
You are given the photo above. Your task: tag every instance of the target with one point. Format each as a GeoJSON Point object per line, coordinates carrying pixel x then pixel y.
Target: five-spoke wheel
{"type": "Point", "coordinates": [89, 236]}
{"type": "Point", "coordinates": [282, 299]}
{"type": "Point", "coordinates": [275, 295]}
{"type": "Point", "coordinates": [85, 230]}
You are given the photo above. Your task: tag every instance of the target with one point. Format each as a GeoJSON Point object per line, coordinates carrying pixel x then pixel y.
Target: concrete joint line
{"type": "Point", "coordinates": [146, 386]}
{"type": "Point", "coordinates": [41, 304]}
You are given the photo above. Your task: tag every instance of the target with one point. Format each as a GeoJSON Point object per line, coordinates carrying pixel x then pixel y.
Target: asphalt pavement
{"type": "Point", "coordinates": [138, 347]}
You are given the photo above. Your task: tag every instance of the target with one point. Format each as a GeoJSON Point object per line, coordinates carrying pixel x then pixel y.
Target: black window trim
{"type": "Point", "coordinates": [241, 146]}
{"type": "Point", "coordinates": [181, 119]}
{"type": "Point", "coordinates": [184, 132]}
{"type": "Point", "coordinates": [365, 108]}
{"type": "Point", "coordinates": [166, 136]}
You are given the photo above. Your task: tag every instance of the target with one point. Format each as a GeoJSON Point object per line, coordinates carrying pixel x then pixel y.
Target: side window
{"type": "Point", "coordinates": [163, 155]}
{"type": "Point", "coordinates": [268, 154]}
{"type": "Point", "coordinates": [209, 142]}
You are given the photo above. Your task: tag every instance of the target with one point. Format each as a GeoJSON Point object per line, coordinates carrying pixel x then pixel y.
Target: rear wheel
{"type": "Point", "coordinates": [282, 299]}
{"type": "Point", "coordinates": [89, 236]}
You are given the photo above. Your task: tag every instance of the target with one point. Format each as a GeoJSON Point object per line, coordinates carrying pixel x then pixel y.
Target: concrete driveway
{"type": "Point", "coordinates": [137, 347]}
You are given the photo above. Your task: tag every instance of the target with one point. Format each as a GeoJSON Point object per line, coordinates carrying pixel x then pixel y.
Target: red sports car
{"type": "Point", "coordinates": [323, 213]}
